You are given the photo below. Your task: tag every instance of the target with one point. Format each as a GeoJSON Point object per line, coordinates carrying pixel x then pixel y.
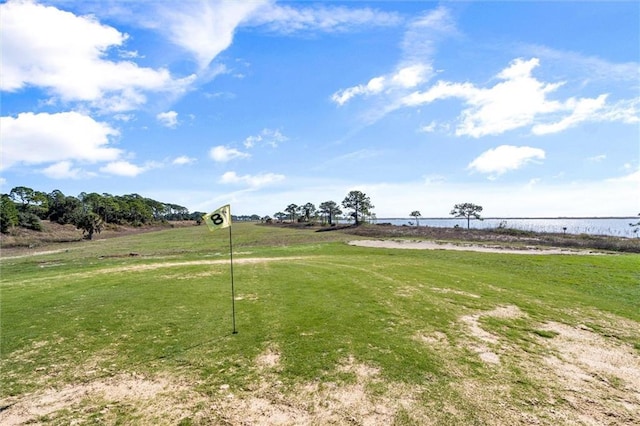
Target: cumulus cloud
{"type": "Point", "coordinates": [521, 100]}
{"type": "Point", "coordinates": [63, 170]}
{"type": "Point", "coordinates": [123, 168]}
{"type": "Point", "coordinates": [66, 54]}
{"type": "Point", "coordinates": [253, 181]}
{"type": "Point", "coordinates": [47, 138]}
{"type": "Point", "coordinates": [168, 119]}
{"type": "Point", "coordinates": [505, 158]}
{"type": "Point", "coordinates": [222, 154]}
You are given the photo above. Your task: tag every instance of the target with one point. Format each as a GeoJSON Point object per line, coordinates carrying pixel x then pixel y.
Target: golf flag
{"type": "Point", "coordinates": [218, 219]}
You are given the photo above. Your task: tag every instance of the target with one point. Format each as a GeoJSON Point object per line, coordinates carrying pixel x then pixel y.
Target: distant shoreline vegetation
{"type": "Point", "coordinates": [611, 226]}
{"type": "Point", "coordinates": [380, 219]}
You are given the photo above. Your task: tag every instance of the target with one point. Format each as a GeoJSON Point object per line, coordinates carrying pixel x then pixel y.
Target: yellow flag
{"type": "Point", "coordinates": [218, 219]}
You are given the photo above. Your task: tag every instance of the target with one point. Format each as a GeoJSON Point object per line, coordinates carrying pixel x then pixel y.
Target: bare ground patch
{"type": "Point", "coordinates": [598, 377]}
{"type": "Point", "coordinates": [150, 397]}
{"type": "Point", "coordinates": [320, 403]}
{"type": "Point", "coordinates": [577, 375]}
{"type": "Point", "coordinates": [485, 339]}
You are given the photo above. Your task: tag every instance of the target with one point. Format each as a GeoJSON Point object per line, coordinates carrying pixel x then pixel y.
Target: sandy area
{"type": "Point", "coordinates": [434, 245]}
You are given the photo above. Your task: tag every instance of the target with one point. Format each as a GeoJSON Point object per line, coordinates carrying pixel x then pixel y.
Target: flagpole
{"type": "Point", "coordinates": [233, 297]}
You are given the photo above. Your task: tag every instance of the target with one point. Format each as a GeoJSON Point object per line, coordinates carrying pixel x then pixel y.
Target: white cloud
{"type": "Point", "coordinates": [253, 181]}
{"type": "Point", "coordinates": [168, 119]}
{"type": "Point", "coordinates": [287, 19]}
{"type": "Point", "coordinates": [123, 168]}
{"type": "Point", "coordinates": [520, 100]}
{"type": "Point", "coordinates": [182, 160]}
{"type": "Point", "coordinates": [595, 110]}
{"type": "Point", "coordinates": [413, 69]}
{"type": "Point", "coordinates": [404, 78]}
{"type": "Point", "coordinates": [579, 110]}
{"type": "Point", "coordinates": [505, 158]}
{"type": "Point", "coordinates": [222, 154]}
{"type": "Point", "coordinates": [375, 85]}
{"type": "Point", "coordinates": [66, 54]}
{"type": "Point", "coordinates": [266, 137]}
{"type": "Point", "coordinates": [510, 104]}
{"type": "Point", "coordinates": [46, 138]}
{"type": "Point", "coordinates": [63, 170]}
{"type": "Point", "coordinates": [204, 28]}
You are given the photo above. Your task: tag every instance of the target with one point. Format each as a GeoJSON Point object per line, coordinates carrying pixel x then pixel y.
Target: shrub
{"type": "Point", "coordinates": [29, 221]}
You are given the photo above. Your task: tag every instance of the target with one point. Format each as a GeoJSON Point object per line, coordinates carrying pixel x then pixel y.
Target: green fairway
{"type": "Point", "coordinates": [138, 329]}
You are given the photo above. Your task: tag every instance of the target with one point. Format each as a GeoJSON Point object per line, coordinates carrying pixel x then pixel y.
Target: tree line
{"type": "Point", "coordinates": [357, 202]}
{"type": "Point", "coordinates": [90, 212]}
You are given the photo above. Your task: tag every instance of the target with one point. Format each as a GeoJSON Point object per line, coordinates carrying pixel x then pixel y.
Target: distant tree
{"type": "Point", "coordinates": [90, 223]}
{"type": "Point", "coordinates": [416, 214]}
{"type": "Point", "coordinates": [360, 203]}
{"type": "Point", "coordinates": [280, 216]}
{"type": "Point", "coordinates": [292, 209]}
{"type": "Point", "coordinates": [8, 214]}
{"type": "Point", "coordinates": [23, 196]}
{"type": "Point", "coordinates": [308, 211]}
{"type": "Point", "coordinates": [330, 209]}
{"type": "Point", "coordinates": [467, 210]}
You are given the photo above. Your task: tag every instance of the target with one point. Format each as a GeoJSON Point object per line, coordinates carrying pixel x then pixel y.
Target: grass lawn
{"type": "Point", "coordinates": [138, 329]}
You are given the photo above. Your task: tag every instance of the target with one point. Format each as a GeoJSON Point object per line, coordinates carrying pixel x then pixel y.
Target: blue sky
{"type": "Point", "coordinates": [526, 108]}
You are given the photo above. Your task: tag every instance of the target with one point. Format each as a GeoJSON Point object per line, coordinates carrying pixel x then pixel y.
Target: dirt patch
{"type": "Point", "coordinates": [269, 359]}
{"type": "Point", "coordinates": [434, 245]}
{"type": "Point", "coordinates": [162, 265]}
{"type": "Point", "coordinates": [597, 376]}
{"type": "Point", "coordinates": [147, 394]}
{"type": "Point", "coordinates": [483, 347]}
{"type": "Point", "coordinates": [319, 403]}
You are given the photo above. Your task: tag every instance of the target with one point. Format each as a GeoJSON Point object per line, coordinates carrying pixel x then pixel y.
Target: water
{"type": "Point", "coordinates": [616, 226]}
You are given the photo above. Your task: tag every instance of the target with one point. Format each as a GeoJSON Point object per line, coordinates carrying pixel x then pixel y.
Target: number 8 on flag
{"type": "Point", "coordinates": [218, 219]}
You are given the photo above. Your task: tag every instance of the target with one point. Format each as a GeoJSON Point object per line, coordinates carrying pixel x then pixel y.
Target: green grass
{"type": "Point", "coordinates": [88, 313]}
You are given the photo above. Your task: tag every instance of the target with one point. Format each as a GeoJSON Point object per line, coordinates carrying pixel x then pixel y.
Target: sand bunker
{"type": "Point", "coordinates": [434, 245]}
